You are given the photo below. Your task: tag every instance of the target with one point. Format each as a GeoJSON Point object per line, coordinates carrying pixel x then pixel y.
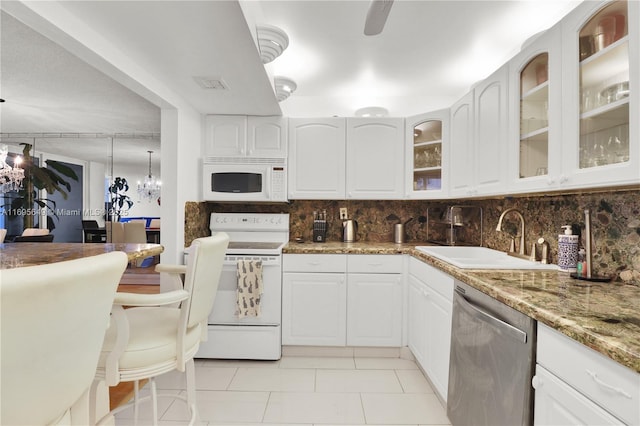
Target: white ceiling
{"type": "Point", "coordinates": [428, 55]}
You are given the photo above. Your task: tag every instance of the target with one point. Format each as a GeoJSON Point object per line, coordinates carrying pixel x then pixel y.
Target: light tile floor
{"type": "Point", "coordinates": [301, 391]}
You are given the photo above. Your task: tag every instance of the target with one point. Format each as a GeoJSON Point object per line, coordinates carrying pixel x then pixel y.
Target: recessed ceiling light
{"type": "Point", "coordinates": [372, 112]}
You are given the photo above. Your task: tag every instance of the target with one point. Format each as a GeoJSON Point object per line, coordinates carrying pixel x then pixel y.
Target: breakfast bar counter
{"type": "Point", "coordinates": [16, 255]}
{"type": "Point", "coordinates": [602, 316]}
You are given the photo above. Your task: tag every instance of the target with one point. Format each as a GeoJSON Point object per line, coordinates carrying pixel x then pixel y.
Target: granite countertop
{"type": "Point", "coordinates": [15, 255]}
{"type": "Point", "coordinates": [602, 316]}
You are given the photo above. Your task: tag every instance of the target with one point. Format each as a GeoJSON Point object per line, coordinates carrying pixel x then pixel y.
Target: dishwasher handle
{"type": "Point", "coordinates": [480, 314]}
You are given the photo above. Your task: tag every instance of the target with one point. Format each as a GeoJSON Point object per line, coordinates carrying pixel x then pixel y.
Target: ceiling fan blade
{"type": "Point", "coordinates": [377, 16]}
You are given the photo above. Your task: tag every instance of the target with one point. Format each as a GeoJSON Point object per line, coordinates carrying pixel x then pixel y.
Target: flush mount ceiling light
{"type": "Point", "coordinates": [284, 87]}
{"type": "Point", "coordinates": [272, 41]}
{"type": "Point", "coordinates": [372, 112]}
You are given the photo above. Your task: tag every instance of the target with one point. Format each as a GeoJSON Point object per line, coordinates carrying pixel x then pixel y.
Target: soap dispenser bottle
{"type": "Point", "coordinates": [567, 250]}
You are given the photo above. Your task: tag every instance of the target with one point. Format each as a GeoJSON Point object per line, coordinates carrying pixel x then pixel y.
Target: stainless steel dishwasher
{"type": "Point", "coordinates": [492, 361]}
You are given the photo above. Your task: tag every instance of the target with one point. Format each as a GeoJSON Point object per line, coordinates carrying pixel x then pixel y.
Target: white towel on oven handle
{"type": "Point", "coordinates": [250, 288]}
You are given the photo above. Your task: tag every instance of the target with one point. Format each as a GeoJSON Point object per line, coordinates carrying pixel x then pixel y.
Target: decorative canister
{"type": "Point", "coordinates": [567, 250]}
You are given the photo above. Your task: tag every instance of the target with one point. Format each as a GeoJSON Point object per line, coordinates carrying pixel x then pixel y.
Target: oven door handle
{"type": "Point", "coordinates": [481, 315]}
{"type": "Point", "coordinates": [234, 263]}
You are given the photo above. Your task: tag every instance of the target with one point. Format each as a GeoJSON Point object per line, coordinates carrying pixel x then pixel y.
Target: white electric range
{"type": "Point", "coordinates": [256, 236]}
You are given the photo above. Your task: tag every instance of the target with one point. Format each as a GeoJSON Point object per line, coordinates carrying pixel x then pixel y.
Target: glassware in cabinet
{"type": "Point", "coordinates": [427, 156]}
{"type": "Point", "coordinates": [604, 88]}
{"type": "Point", "coordinates": [534, 119]}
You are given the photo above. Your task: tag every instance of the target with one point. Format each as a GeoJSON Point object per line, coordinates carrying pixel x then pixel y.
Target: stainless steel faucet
{"type": "Point", "coordinates": [499, 229]}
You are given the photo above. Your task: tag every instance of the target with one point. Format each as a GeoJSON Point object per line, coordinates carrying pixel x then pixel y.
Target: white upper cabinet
{"type": "Point", "coordinates": [338, 158]}
{"type": "Point", "coordinates": [242, 136]}
{"type": "Point", "coordinates": [479, 126]}
{"type": "Point", "coordinates": [317, 152]}
{"type": "Point", "coordinates": [427, 155]}
{"type": "Point", "coordinates": [375, 158]}
{"type": "Point", "coordinates": [462, 162]}
{"type": "Point", "coordinates": [600, 95]}
{"type": "Point", "coordinates": [225, 136]}
{"type": "Point", "coordinates": [571, 127]}
{"type": "Point", "coordinates": [491, 129]}
{"type": "Point", "coordinates": [267, 137]}
{"type": "Point", "coordinates": [535, 143]}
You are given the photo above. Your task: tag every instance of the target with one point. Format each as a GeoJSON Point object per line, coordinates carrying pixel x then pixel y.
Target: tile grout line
{"type": "Point", "coordinates": [364, 413]}
{"type": "Point", "coordinates": [315, 381]}
{"type": "Point", "coordinates": [395, 372]}
{"type": "Point", "coordinates": [264, 412]}
{"type": "Point", "coordinates": [235, 373]}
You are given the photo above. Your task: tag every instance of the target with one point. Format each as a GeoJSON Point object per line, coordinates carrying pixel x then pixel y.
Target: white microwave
{"type": "Point", "coordinates": [244, 179]}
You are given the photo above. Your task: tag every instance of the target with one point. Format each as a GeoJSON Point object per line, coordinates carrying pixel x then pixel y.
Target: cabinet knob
{"type": "Point", "coordinates": [536, 382]}
{"type": "Point", "coordinates": [564, 178]}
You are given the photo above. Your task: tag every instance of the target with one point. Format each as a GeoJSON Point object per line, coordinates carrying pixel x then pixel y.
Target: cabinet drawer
{"type": "Point", "coordinates": [604, 381]}
{"type": "Point", "coordinates": [556, 403]}
{"type": "Point", "coordinates": [437, 280]}
{"type": "Point", "coordinates": [374, 263]}
{"type": "Point", "coordinates": [314, 263]}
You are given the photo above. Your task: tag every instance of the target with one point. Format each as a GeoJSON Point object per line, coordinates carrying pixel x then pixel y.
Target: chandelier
{"type": "Point", "coordinates": [150, 188]}
{"type": "Point", "coordinates": [10, 177]}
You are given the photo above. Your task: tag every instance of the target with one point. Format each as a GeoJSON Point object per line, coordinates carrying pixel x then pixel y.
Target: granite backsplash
{"type": "Point", "coordinates": [615, 223]}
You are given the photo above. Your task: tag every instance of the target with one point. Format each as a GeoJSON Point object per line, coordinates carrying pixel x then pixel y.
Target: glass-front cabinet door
{"type": "Point", "coordinates": [603, 43]}
{"type": "Point", "coordinates": [536, 107]}
{"type": "Point", "coordinates": [534, 118]}
{"type": "Point", "coordinates": [604, 88]}
{"type": "Point", "coordinates": [426, 153]}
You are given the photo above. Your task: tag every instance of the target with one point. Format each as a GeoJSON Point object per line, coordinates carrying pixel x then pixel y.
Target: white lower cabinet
{"type": "Point", "coordinates": [323, 304]}
{"type": "Point", "coordinates": [559, 404]}
{"type": "Point", "coordinates": [417, 319]}
{"type": "Point", "coordinates": [314, 300]}
{"type": "Point", "coordinates": [429, 321]}
{"type": "Point", "coordinates": [315, 309]}
{"type": "Point", "coordinates": [374, 300]}
{"type": "Point", "coordinates": [576, 385]}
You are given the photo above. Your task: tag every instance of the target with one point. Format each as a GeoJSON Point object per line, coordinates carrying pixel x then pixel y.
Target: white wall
{"type": "Point", "coordinates": [134, 174]}
{"type": "Point", "coordinates": [181, 146]}
{"type": "Point", "coordinates": [181, 125]}
{"type": "Point", "coordinates": [94, 201]}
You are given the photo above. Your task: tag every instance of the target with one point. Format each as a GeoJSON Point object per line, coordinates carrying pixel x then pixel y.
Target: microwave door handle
{"type": "Point", "coordinates": [268, 183]}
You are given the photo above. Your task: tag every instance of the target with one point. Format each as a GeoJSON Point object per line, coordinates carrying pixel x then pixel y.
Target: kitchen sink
{"type": "Point", "coordinates": [466, 257]}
